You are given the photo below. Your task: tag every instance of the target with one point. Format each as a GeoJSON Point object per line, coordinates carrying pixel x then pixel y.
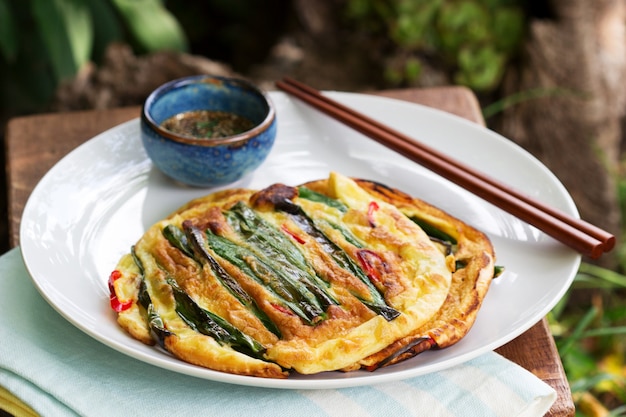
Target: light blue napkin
{"type": "Point", "coordinates": [59, 371]}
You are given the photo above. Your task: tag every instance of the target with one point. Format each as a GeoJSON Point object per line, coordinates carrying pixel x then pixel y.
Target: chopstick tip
{"type": "Point", "coordinates": [609, 244]}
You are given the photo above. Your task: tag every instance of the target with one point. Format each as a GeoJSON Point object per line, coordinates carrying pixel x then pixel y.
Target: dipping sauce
{"type": "Point", "coordinates": [207, 124]}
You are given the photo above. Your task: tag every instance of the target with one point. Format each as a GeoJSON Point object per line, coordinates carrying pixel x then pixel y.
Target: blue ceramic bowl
{"type": "Point", "coordinates": [208, 162]}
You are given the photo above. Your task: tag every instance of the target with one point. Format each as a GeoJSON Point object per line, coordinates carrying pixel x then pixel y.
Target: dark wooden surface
{"type": "Point", "coordinates": [35, 143]}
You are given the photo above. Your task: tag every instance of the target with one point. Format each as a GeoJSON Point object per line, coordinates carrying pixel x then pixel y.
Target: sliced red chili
{"type": "Point", "coordinates": [371, 208]}
{"type": "Point", "coordinates": [115, 275]}
{"type": "Point", "coordinates": [372, 264]}
{"type": "Point", "coordinates": [292, 234]}
{"type": "Point", "coordinates": [116, 304]}
{"type": "Point", "coordinates": [282, 309]}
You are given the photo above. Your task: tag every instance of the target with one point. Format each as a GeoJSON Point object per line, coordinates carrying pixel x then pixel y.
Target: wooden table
{"type": "Point", "coordinates": [35, 143]}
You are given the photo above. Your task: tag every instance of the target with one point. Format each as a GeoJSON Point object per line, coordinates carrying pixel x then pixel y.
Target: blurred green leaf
{"type": "Point", "coordinates": [471, 41]}
{"type": "Point", "coordinates": [393, 76]}
{"type": "Point", "coordinates": [587, 383]}
{"type": "Point", "coordinates": [107, 27]}
{"type": "Point", "coordinates": [605, 331]}
{"type": "Point", "coordinates": [480, 69]}
{"type": "Point", "coordinates": [357, 9]}
{"type": "Point", "coordinates": [602, 275]}
{"type": "Point", "coordinates": [413, 69]}
{"type": "Point", "coordinates": [44, 42]}
{"type": "Point", "coordinates": [525, 95]}
{"type": "Point", "coordinates": [461, 24]}
{"type": "Point", "coordinates": [152, 25]}
{"type": "Point", "coordinates": [8, 34]}
{"type": "Point", "coordinates": [569, 342]}
{"type": "Point", "coordinates": [508, 28]}
{"type": "Point", "coordinates": [580, 366]}
{"type": "Point", "coordinates": [414, 23]}
{"type": "Point", "coordinates": [66, 30]}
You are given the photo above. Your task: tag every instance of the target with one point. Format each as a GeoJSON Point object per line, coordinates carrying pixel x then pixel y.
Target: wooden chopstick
{"type": "Point", "coordinates": [581, 236]}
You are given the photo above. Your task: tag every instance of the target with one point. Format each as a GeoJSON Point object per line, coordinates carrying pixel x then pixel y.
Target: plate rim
{"type": "Point", "coordinates": [289, 383]}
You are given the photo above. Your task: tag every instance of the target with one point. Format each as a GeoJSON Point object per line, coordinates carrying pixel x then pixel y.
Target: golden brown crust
{"type": "Point", "coordinates": [469, 284]}
{"type": "Point", "coordinates": [203, 351]}
{"type": "Point", "coordinates": [437, 304]}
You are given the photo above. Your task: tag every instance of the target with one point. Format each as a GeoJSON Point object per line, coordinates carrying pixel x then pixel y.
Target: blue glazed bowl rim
{"type": "Point", "coordinates": [194, 79]}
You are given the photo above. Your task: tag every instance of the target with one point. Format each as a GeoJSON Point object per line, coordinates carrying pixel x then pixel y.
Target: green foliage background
{"type": "Point", "coordinates": [43, 42]}
{"type": "Point", "coordinates": [473, 39]}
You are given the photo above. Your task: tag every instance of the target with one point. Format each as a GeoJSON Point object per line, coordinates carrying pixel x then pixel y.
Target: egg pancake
{"type": "Point", "coordinates": [336, 274]}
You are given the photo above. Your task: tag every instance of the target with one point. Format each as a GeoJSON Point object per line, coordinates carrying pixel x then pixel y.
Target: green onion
{"type": "Point", "coordinates": [291, 293]}
{"type": "Point", "coordinates": [192, 241]}
{"type": "Point", "coordinates": [347, 234]}
{"type": "Point", "coordinates": [210, 324]}
{"type": "Point", "coordinates": [432, 231]}
{"type": "Point", "coordinates": [277, 250]}
{"type": "Point", "coordinates": [377, 302]}
{"type": "Point", "coordinates": [308, 194]}
{"type": "Point", "coordinates": [155, 322]}
{"type": "Point", "coordinates": [178, 239]}
{"type": "Point", "coordinates": [498, 270]}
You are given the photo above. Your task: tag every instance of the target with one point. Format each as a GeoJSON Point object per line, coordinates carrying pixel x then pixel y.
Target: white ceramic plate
{"type": "Point", "coordinates": [96, 202]}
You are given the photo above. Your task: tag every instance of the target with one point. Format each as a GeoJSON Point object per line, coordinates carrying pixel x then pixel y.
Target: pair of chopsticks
{"type": "Point", "coordinates": [585, 238]}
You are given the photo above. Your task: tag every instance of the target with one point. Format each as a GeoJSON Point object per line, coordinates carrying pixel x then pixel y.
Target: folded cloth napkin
{"type": "Point", "coordinates": [49, 367]}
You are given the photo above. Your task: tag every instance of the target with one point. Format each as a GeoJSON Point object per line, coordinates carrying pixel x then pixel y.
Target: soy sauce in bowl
{"type": "Point", "coordinates": [207, 124]}
{"type": "Point", "coordinates": [223, 129]}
